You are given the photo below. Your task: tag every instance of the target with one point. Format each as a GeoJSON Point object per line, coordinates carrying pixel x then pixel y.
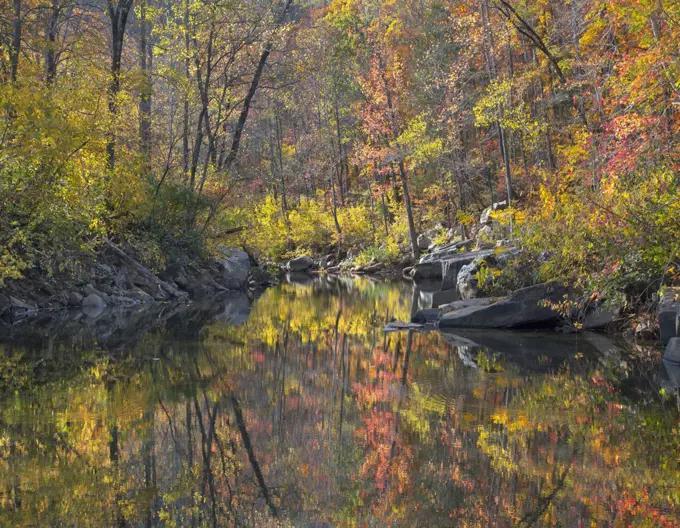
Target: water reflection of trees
{"type": "Point", "coordinates": [310, 412]}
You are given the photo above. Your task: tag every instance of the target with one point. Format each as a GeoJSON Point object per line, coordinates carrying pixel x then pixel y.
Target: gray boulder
{"type": "Point", "coordinates": [300, 264]}
{"type": "Point", "coordinates": [599, 318]}
{"type": "Point", "coordinates": [467, 283]}
{"type": "Point", "coordinates": [259, 277]}
{"type": "Point", "coordinates": [521, 309]}
{"type": "Point", "coordinates": [20, 306]}
{"type": "Point", "coordinates": [446, 269]}
{"type": "Point", "coordinates": [235, 268]}
{"type": "Point", "coordinates": [440, 298]}
{"type": "Point", "coordinates": [672, 354]}
{"type": "Point", "coordinates": [430, 315]}
{"type": "Point", "coordinates": [424, 242]}
{"type": "Point", "coordinates": [431, 270]}
{"type": "Point", "coordinates": [485, 237]}
{"type": "Point", "coordinates": [452, 266]}
{"type": "Point", "coordinates": [88, 290]}
{"type": "Point", "coordinates": [446, 251]}
{"type": "Point", "coordinates": [669, 315]}
{"type": "Point", "coordinates": [93, 301]}
{"type": "Point", "coordinates": [75, 299]}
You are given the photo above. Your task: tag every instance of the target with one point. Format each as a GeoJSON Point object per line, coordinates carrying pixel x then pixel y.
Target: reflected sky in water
{"type": "Point", "coordinates": [298, 410]}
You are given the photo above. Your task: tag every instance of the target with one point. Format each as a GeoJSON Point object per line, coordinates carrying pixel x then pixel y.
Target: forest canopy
{"type": "Point", "coordinates": [308, 126]}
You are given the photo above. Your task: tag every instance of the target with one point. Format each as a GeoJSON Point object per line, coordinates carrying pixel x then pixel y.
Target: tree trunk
{"type": "Point", "coordinates": [243, 117]}
{"type": "Point", "coordinates": [185, 115]}
{"type": "Point", "coordinates": [145, 63]}
{"type": "Point", "coordinates": [415, 251]}
{"type": "Point", "coordinates": [15, 49]}
{"type": "Point", "coordinates": [51, 42]}
{"type": "Point", "coordinates": [118, 15]}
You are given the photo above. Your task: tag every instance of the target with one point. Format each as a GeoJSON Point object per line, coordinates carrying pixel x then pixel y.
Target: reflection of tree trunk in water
{"type": "Point", "coordinates": [190, 455]}
{"type": "Point", "coordinates": [415, 298]}
{"type": "Point", "coordinates": [409, 344]}
{"type": "Point", "coordinates": [245, 438]}
{"type": "Point", "coordinates": [13, 490]}
{"type": "Point", "coordinates": [335, 358]}
{"type": "Point", "coordinates": [282, 397]}
{"type": "Point", "coordinates": [146, 456]}
{"type": "Point", "coordinates": [344, 388]}
{"type": "Point", "coordinates": [206, 449]}
{"type": "Point", "coordinates": [544, 502]}
{"type": "Point", "coordinates": [113, 458]}
{"type": "Point", "coordinates": [397, 354]}
{"type": "Point", "coordinates": [407, 355]}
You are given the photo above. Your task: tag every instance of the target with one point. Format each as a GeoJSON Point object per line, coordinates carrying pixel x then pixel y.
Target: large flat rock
{"type": "Point", "coordinates": [522, 309]}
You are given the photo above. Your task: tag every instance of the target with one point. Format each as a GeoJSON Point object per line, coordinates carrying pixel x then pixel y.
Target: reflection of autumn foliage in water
{"type": "Point", "coordinates": [310, 412]}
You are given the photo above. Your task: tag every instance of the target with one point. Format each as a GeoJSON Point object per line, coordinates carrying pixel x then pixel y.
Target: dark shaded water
{"type": "Point", "coordinates": [301, 411]}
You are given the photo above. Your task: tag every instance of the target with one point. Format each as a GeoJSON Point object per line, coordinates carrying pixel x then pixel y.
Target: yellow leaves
{"type": "Point", "coordinates": [465, 218]}
{"type": "Point", "coordinates": [416, 143]}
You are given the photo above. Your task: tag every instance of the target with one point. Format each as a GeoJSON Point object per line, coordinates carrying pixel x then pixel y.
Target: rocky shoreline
{"type": "Point", "coordinates": [455, 277]}
{"type": "Point", "coordinates": [447, 278]}
{"type": "Point", "coordinates": [115, 279]}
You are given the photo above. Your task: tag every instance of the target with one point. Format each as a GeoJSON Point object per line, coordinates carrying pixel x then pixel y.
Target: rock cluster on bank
{"type": "Point", "coordinates": [119, 280]}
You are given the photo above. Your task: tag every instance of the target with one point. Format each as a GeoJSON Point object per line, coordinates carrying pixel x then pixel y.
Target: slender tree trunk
{"type": "Point", "coordinates": [341, 154]}
{"type": "Point", "coordinates": [51, 42]}
{"type": "Point", "coordinates": [15, 49]}
{"type": "Point", "coordinates": [334, 200]}
{"type": "Point", "coordinates": [185, 114]}
{"type": "Point", "coordinates": [145, 63]}
{"type": "Point", "coordinates": [415, 251]}
{"type": "Point", "coordinates": [118, 15]}
{"type": "Point", "coordinates": [254, 84]}
{"type": "Point", "coordinates": [490, 53]}
{"type": "Point", "coordinates": [277, 154]}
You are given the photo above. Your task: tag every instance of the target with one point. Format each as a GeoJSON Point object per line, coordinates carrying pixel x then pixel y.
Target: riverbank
{"type": "Point", "coordinates": [115, 277]}
{"type": "Point", "coordinates": [478, 282]}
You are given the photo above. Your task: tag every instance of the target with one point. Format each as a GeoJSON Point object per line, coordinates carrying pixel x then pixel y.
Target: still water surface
{"type": "Point", "coordinates": [301, 411]}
